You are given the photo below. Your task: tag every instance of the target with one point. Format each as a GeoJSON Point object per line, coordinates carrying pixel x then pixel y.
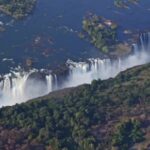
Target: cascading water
{"type": "Point", "coordinates": [20, 86]}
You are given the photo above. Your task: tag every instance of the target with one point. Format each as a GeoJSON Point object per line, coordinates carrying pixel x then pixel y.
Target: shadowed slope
{"type": "Point", "coordinates": [88, 117]}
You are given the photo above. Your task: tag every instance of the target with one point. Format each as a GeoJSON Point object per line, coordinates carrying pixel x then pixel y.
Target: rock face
{"type": "Point", "coordinates": [37, 76]}
{"type": "Point", "coordinates": [39, 79]}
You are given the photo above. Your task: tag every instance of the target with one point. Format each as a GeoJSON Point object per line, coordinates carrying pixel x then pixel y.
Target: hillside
{"type": "Point", "coordinates": [110, 114]}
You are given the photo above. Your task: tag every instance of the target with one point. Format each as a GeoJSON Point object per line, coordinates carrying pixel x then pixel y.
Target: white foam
{"type": "Point", "coordinates": [15, 88]}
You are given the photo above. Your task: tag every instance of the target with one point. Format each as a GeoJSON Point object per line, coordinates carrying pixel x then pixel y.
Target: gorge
{"type": "Point", "coordinates": [20, 86]}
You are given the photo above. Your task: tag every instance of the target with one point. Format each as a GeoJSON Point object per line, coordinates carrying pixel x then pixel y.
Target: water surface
{"type": "Point", "coordinates": [56, 23]}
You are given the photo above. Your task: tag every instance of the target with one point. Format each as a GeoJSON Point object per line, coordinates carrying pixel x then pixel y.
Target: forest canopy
{"type": "Point", "coordinates": [104, 115]}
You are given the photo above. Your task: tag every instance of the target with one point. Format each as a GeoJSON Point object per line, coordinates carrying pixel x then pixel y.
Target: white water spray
{"type": "Point", "coordinates": [19, 86]}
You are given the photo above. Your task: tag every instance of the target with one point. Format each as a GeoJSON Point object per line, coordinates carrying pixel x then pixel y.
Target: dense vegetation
{"type": "Point", "coordinates": [110, 114]}
{"type": "Point", "coordinates": [101, 32]}
{"type": "Point", "coordinates": [17, 8]}
{"type": "Point", "coordinates": [128, 133]}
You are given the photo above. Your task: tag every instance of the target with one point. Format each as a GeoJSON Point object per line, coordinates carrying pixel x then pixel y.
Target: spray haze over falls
{"type": "Point", "coordinates": [20, 86]}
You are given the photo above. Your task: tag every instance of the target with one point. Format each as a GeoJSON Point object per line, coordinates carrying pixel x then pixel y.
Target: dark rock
{"type": "Point", "coordinates": [36, 83]}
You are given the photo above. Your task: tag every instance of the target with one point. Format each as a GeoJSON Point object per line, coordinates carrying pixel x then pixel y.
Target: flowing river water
{"type": "Point", "coordinates": [54, 25]}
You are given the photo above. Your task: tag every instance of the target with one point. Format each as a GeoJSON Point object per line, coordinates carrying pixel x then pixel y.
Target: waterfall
{"type": "Point", "coordinates": [19, 86]}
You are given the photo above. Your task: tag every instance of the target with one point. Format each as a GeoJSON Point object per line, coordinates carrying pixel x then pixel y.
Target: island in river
{"type": "Point", "coordinates": [17, 8]}
{"type": "Point", "coordinates": [102, 33]}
